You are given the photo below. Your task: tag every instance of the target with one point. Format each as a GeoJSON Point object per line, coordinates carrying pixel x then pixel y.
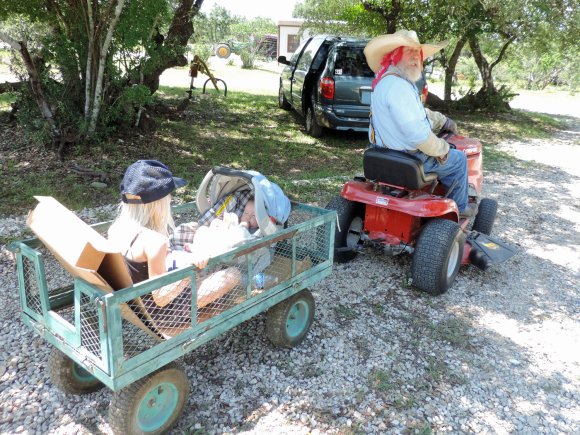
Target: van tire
{"type": "Point", "coordinates": [282, 101]}
{"type": "Point", "coordinates": [310, 125]}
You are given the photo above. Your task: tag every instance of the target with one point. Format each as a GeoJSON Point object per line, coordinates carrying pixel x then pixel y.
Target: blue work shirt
{"type": "Point", "coordinates": [398, 117]}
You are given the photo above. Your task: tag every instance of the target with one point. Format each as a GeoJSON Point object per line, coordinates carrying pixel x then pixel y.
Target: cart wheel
{"type": "Point", "coordinates": [485, 217]}
{"type": "Point", "coordinates": [288, 322]}
{"type": "Point", "coordinates": [437, 256]}
{"type": "Point", "coordinates": [69, 377]}
{"type": "Point", "coordinates": [152, 404]}
{"type": "Point", "coordinates": [348, 234]}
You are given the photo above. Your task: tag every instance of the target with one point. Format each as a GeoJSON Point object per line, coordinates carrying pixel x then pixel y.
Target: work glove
{"type": "Point", "coordinates": [442, 159]}
{"type": "Point", "coordinates": [449, 126]}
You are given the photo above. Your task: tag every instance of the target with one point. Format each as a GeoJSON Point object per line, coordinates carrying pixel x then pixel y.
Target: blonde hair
{"type": "Point", "coordinates": [132, 218]}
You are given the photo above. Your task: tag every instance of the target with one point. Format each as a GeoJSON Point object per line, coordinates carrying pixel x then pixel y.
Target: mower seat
{"type": "Point", "coordinates": [396, 167]}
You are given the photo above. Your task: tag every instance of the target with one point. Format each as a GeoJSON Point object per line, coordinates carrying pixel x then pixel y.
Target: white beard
{"type": "Point", "coordinates": [411, 73]}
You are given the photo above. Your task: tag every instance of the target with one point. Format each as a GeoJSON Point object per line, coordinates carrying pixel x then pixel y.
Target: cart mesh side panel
{"type": "Point", "coordinates": [135, 340]}
{"type": "Point", "coordinates": [31, 290]}
{"type": "Point", "coordinates": [58, 285]}
{"type": "Point", "coordinates": [313, 243]}
{"type": "Point", "coordinates": [221, 288]}
{"type": "Point", "coordinates": [90, 326]}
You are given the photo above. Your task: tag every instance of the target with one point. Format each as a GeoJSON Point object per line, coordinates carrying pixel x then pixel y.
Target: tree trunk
{"type": "Point", "coordinates": [483, 66]}
{"type": "Point", "coordinates": [90, 52]}
{"type": "Point", "coordinates": [102, 60]}
{"type": "Point", "coordinates": [450, 67]}
{"type": "Point", "coordinates": [180, 31]}
{"type": "Point", "coordinates": [35, 83]}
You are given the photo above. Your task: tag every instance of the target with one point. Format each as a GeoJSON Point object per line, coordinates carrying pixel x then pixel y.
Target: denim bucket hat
{"type": "Point", "coordinates": [146, 181]}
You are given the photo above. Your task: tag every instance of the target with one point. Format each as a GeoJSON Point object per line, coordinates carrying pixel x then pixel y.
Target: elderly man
{"type": "Point", "coordinates": [400, 122]}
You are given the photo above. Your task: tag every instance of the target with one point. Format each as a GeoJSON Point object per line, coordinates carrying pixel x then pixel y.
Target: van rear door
{"type": "Point", "coordinates": [352, 82]}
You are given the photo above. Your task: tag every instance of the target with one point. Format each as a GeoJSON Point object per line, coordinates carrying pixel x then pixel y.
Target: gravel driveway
{"type": "Point", "coordinates": [498, 353]}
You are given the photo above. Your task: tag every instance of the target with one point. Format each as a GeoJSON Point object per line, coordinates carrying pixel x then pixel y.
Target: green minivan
{"type": "Point", "coordinates": [328, 82]}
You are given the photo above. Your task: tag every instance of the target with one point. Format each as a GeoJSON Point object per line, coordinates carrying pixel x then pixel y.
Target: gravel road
{"type": "Point", "coordinates": [499, 353]}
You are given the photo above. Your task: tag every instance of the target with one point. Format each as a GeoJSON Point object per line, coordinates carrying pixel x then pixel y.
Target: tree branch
{"type": "Point", "coordinates": [390, 16]}
{"type": "Point", "coordinates": [13, 43]}
{"type": "Point", "coordinates": [502, 52]}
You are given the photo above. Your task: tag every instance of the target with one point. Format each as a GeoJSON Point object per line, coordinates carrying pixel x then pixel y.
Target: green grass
{"type": "Point", "coordinates": [380, 380]}
{"type": "Point", "coordinates": [242, 130]}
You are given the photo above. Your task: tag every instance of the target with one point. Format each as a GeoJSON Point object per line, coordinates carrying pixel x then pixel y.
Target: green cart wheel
{"type": "Point", "coordinates": [70, 377]}
{"type": "Point", "coordinates": [152, 404]}
{"type": "Point", "coordinates": [288, 322]}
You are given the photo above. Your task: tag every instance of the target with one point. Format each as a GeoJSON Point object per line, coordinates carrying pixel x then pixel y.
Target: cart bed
{"type": "Point", "coordinates": [87, 324]}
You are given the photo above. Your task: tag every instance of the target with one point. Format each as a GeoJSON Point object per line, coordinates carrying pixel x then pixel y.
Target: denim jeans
{"type": "Point", "coordinates": [455, 168]}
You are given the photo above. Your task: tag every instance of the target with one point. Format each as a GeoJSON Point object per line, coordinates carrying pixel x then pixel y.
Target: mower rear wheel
{"type": "Point", "coordinates": [349, 232]}
{"type": "Point", "coordinates": [437, 256]}
{"type": "Point", "coordinates": [485, 217]}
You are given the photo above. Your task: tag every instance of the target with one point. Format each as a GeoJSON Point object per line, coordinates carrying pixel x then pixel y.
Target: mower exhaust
{"type": "Point", "coordinates": [487, 250]}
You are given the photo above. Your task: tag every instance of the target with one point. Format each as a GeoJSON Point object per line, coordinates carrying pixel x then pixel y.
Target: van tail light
{"type": "Point", "coordinates": [327, 87]}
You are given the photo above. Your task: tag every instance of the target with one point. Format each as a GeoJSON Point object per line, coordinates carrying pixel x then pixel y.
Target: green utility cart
{"type": "Point", "coordinates": [114, 339]}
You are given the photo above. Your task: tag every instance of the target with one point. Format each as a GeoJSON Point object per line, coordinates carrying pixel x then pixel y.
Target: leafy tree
{"type": "Point", "coordinates": [96, 62]}
{"type": "Point", "coordinates": [243, 35]}
{"type": "Point", "coordinates": [491, 29]}
{"type": "Point", "coordinates": [216, 26]}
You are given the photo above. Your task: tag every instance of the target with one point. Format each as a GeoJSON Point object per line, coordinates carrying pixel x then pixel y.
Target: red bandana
{"type": "Point", "coordinates": [391, 58]}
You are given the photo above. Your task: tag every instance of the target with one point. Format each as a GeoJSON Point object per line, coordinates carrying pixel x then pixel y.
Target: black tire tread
{"type": "Point", "coordinates": [124, 399]}
{"type": "Point", "coordinates": [276, 320]}
{"type": "Point", "coordinates": [315, 129]}
{"type": "Point", "coordinates": [346, 211]}
{"type": "Point", "coordinates": [485, 218]}
{"type": "Point", "coordinates": [60, 373]}
{"type": "Point", "coordinates": [282, 101]}
{"type": "Point", "coordinates": [428, 270]}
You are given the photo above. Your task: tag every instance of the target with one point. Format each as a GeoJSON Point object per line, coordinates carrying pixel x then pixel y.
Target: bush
{"type": "Point", "coordinates": [204, 51]}
{"type": "Point", "coordinates": [248, 58]}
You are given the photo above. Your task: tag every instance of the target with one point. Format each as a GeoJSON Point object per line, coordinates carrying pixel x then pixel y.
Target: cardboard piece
{"type": "Point", "coordinates": [81, 250]}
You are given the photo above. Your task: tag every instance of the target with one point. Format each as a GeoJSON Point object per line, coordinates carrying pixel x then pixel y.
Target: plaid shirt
{"type": "Point", "coordinates": [232, 203]}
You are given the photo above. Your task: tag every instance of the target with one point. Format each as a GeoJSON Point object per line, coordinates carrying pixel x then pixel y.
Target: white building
{"type": "Point", "coordinates": [289, 37]}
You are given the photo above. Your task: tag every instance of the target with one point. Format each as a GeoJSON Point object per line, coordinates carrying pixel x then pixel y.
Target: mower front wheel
{"type": "Point", "coordinates": [485, 217]}
{"type": "Point", "coordinates": [349, 232]}
{"type": "Point", "coordinates": [437, 256]}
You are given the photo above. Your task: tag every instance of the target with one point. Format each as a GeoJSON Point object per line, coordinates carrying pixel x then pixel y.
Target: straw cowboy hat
{"type": "Point", "coordinates": [381, 45]}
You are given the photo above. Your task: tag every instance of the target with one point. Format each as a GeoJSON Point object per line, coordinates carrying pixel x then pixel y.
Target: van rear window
{"type": "Point", "coordinates": [351, 61]}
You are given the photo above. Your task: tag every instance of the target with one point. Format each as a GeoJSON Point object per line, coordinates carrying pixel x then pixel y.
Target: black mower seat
{"type": "Point", "coordinates": [396, 167]}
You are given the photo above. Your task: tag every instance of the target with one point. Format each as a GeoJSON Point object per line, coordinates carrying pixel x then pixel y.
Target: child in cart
{"type": "Point", "coordinates": [144, 232]}
{"type": "Point", "coordinates": [142, 229]}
